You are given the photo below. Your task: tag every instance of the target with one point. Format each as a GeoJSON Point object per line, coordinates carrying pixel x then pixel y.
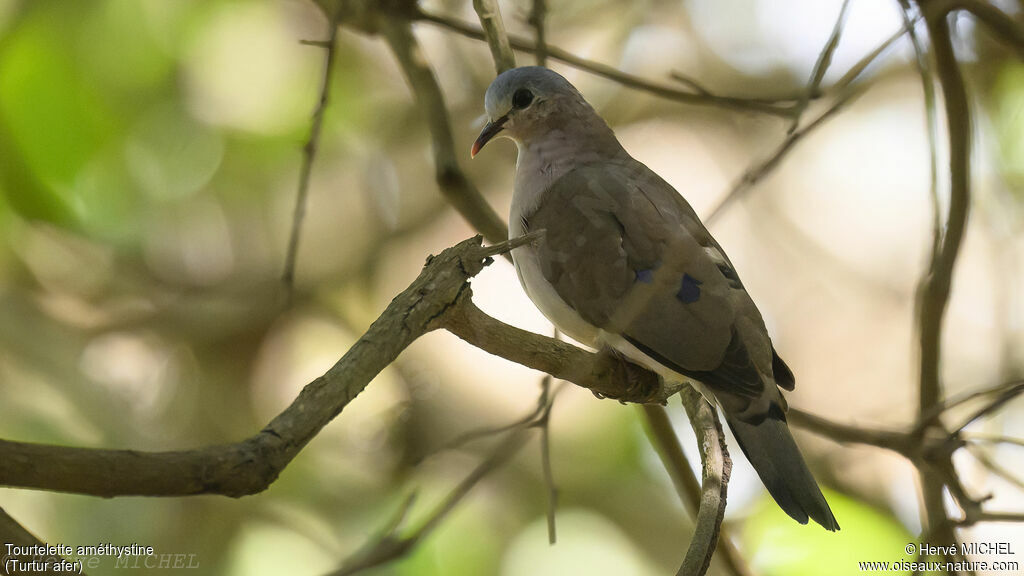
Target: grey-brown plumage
{"type": "Point", "coordinates": [626, 263]}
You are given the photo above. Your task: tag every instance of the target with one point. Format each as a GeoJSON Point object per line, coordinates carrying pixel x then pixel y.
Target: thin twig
{"type": "Point", "coordinates": [994, 467]}
{"type": "Point", "coordinates": [898, 441]}
{"type": "Point", "coordinates": [857, 69]}
{"type": "Point", "coordinates": [494, 30]}
{"type": "Point", "coordinates": [754, 174]}
{"type": "Point", "coordinates": [820, 66]}
{"type": "Point", "coordinates": [389, 547]}
{"type": "Point", "coordinates": [848, 94]}
{"type": "Point", "coordinates": [309, 151]}
{"type": "Point", "coordinates": [993, 439]}
{"type": "Point", "coordinates": [931, 117]}
{"type": "Point", "coordinates": [456, 187]}
{"type": "Point", "coordinates": [779, 106]}
{"type": "Point", "coordinates": [544, 423]}
{"type": "Point", "coordinates": [993, 517]}
{"type": "Point", "coordinates": [690, 83]}
{"type": "Point", "coordinates": [935, 413]}
{"type": "Point", "coordinates": [624, 78]}
{"type": "Point", "coordinates": [486, 432]}
{"type": "Point", "coordinates": [993, 405]}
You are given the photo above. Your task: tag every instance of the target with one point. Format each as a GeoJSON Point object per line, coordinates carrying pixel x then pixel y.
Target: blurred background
{"type": "Point", "coordinates": [149, 156]}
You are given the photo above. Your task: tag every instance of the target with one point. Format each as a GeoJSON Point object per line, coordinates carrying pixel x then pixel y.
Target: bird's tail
{"type": "Point", "coordinates": [770, 448]}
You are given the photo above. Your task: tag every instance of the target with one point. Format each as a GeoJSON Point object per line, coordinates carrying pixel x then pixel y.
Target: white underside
{"type": "Point", "coordinates": [568, 321]}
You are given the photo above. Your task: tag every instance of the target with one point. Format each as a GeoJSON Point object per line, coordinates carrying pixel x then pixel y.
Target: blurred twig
{"type": "Point", "coordinates": [309, 151]}
{"type": "Point", "coordinates": [14, 534]}
{"type": "Point", "coordinates": [1002, 25]}
{"type": "Point", "coordinates": [494, 31]}
{"type": "Point", "coordinates": [935, 285]}
{"type": "Point", "coordinates": [847, 92]}
{"type": "Point", "coordinates": [929, 449]}
{"type": "Point", "coordinates": [538, 13]}
{"type": "Point", "coordinates": [1010, 391]}
{"type": "Point", "coordinates": [755, 173]}
{"type": "Point", "coordinates": [544, 423]}
{"type": "Point", "coordinates": [390, 546]}
{"type": "Point", "coordinates": [901, 442]}
{"type": "Point", "coordinates": [624, 78]}
{"type": "Point", "coordinates": [924, 71]}
{"type": "Point", "coordinates": [993, 517]}
{"type": "Point", "coordinates": [990, 439]}
{"type": "Point", "coordinates": [820, 66]}
{"type": "Point", "coordinates": [985, 460]}
{"type": "Point", "coordinates": [540, 418]}
{"type": "Point", "coordinates": [933, 415]}
{"type": "Point", "coordinates": [457, 189]}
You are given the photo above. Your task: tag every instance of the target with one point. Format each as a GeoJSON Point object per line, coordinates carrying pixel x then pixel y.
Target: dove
{"type": "Point", "coordinates": [625, 264]}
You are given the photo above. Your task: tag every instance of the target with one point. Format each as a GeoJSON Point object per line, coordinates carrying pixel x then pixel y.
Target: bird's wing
{"type": "Point", "coordinates": [622, 251]}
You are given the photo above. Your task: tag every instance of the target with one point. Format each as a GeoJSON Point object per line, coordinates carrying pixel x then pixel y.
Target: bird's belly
{"type": "Point", "coordinates": [547, 300]}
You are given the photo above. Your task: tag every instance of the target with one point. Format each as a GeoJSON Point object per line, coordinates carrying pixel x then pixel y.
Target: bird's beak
{"type": "Point", "coordinates": [490, 131]}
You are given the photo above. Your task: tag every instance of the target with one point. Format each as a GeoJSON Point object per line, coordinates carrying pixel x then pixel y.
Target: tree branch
{"type": "Point", "coordinates": [666, 443]}
{"type": "Point", "coordinates": [494, 31]}
{"type": "Point", "coordinates": [898, 441]}
{"type": "Point", "coordinates": [936, 284]}
{"type": "Point", "coordinates": [820, 66]}
{"type": "Point", "coordinates": [438, 298]}
{"type": "Point", "coordinates": [755, 173]}
{"type": "Point", "coordinates": [1002, 25]}
{"type": "Point", "coordinates": [715, 470]}
{"type": "Point", "coordinates": [605, 71]}
{"type": "Point", "coordinates": [604, 373]}
{"type": "Point", "coordinates": [308, 156]}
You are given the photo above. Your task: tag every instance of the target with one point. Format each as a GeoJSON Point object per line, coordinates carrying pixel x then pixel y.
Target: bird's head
{"type": "Point", "coordinates": [523, 103]}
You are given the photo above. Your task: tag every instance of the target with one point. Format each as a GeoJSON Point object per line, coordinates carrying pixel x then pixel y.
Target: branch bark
{"type": "Point", "coordinates": [665, 441]}
{"type": "Point", "coordinates": [715, 470]}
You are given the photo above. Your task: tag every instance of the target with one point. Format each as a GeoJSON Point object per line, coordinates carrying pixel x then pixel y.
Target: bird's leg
{"type": "Point", "coordinates": [637, 383]}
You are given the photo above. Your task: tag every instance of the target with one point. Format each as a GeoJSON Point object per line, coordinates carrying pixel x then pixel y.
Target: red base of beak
{"type": "Point", "coordinates": [490, 131]}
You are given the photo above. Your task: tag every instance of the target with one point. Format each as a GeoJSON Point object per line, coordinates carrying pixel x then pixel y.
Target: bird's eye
{"type": "Point", "coordinates": [522, 98]}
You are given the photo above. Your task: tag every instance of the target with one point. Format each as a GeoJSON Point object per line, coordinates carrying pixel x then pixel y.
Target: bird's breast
{"type": "Point", "coordinates": [543, 294]}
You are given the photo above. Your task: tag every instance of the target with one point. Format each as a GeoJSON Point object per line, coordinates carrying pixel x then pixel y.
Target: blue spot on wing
{"type": "Point", "coordinates": [689, 290]}
{"type": "Point", "coordinates": [645, 276]}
